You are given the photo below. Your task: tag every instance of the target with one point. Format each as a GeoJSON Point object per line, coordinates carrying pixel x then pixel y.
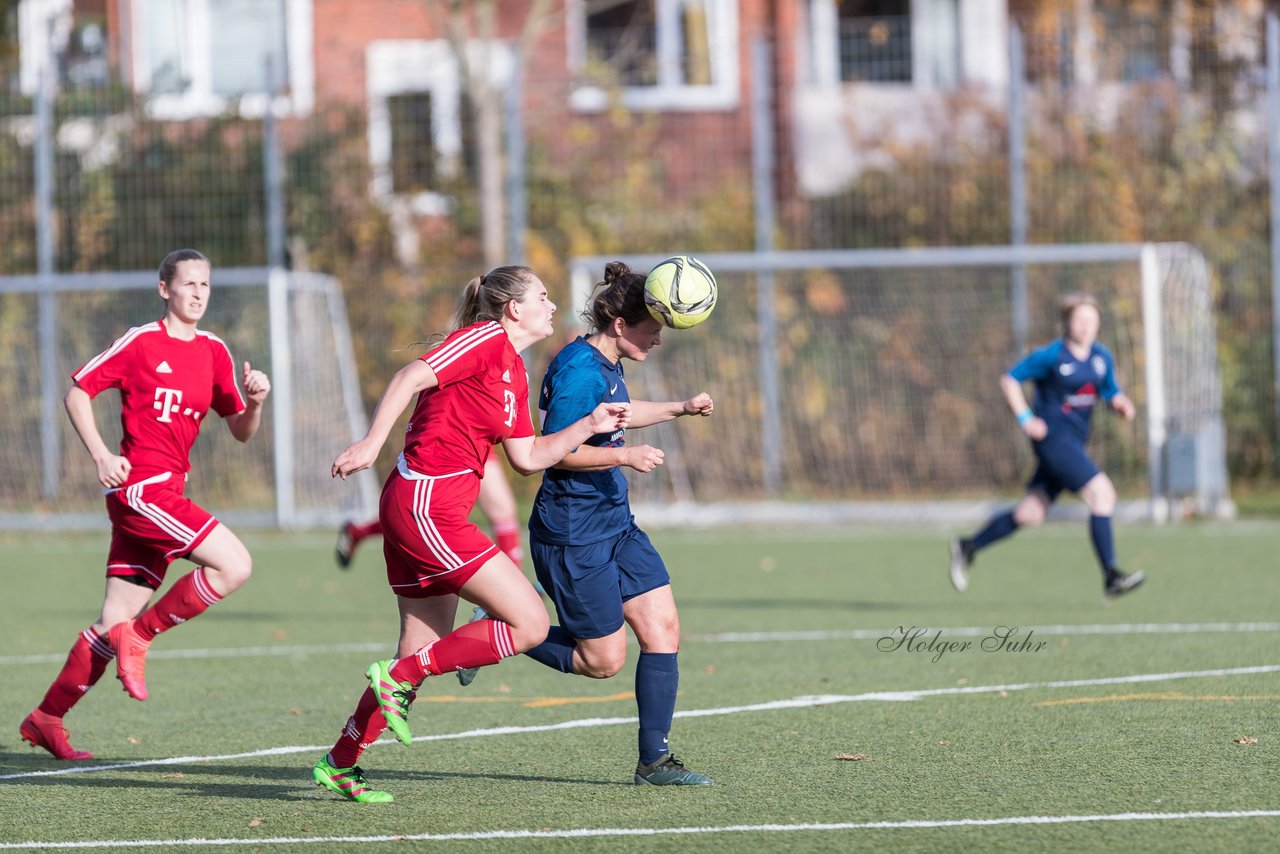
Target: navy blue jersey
{"type": "Point", "coordinates": [1066, 387]}
{"type": "Point", "coordinates": [580, 507]}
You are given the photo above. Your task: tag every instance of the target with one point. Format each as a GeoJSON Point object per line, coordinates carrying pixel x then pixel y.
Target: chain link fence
{"type": "Point", "coordinates": [624, 135]}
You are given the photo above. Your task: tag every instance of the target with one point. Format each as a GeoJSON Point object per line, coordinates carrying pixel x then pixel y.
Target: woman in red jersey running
{"type": "Point", "coordinates": [170, 374]}
{"type": "Point", "coordinates": [472, 393]}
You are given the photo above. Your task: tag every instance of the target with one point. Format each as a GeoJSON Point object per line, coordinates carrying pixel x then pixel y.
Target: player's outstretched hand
{"type": "Point", "coordinates": [1123, 405]}
{"type": "Point", "coordinates": [607, 417]}
{"type": "Point", "coordinates": [360, 456]}
{"type": "Point", "coordinates": [643, 458]}
{"type": "Point", "coordinates": [256, 384]}
{"type": "Point", "coordinates": [113, 471]}
{"type": "Point", "coordinates": [699, 404]}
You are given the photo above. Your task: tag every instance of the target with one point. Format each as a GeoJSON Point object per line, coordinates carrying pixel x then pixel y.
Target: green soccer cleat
{"type": "Point", "coordinates": [394, 698]}
{"type": "Point", "coordinates": [348, 782]}
{"type": "Point", "coordinates": [669, 771]}
{"type": "Point", "coordinates": [467, 675]}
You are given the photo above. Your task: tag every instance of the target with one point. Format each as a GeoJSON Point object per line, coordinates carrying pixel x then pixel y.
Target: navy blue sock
{"type": "Point", "coordinates": [998, 527]}
{"type": "Point", "coordinates": [657, 678]}
{"type": "Point", "coordinates": [1104, 543]}
{"type": "Point", "coordinates": [556, 651]}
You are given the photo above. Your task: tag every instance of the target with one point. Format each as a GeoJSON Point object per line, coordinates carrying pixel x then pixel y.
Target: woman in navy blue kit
{"type": "Point", "coordinates": [1070, 375]}
{"type": "Point", "coordinates": [598, 567]}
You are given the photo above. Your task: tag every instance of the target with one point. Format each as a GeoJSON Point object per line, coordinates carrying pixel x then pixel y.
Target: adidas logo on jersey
{"type": "Point", "coordinates": [163, 368]}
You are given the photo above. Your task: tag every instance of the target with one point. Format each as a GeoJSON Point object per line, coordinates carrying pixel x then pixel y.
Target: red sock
{"type": "Point", "coordinates": [359, 532]}
{"type": "Point", "coordinates": [189, 597]}
{"type": "Point", "coordinates": [477, 644]}
{"type": "Point", "coordinates": [362, 729]}
{"type": "Point", "coordinates": [88, 658]}
{"type": "Point", "coordinates": [507, 533]}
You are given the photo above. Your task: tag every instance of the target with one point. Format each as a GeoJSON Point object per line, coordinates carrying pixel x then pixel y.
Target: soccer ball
{"type": "Point", "coordinates": [680, 292]}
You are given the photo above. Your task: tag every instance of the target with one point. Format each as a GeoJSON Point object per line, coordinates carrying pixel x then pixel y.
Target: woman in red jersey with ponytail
{"type": "Point", "coordinates": [472, 393]}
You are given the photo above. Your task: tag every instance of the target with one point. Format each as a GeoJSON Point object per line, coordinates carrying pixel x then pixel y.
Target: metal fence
{"type": "Point", "coordinates": [1119, 125]}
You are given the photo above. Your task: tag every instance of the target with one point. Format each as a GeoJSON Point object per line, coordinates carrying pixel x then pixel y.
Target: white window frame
{"type": "Point", "coordinates": [43, 26]}
{"type": "Point", "coordinates": [669, 93]}
{"type": "Point", "coordinates": [406, 66]}
{"type": "Point", "coordinates": [199, 99]}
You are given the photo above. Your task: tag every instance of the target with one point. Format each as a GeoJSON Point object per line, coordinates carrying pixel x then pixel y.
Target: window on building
{"type": "Point", "coordinates": [1137, 46]}
{"type": "Point", "coordinates": [886, 41]}
{"type": "Point", "coordinates": [875, 40]}
{"type": "Point", "coordinates": [422, 124]}
{"type": "Point", "coordinates": [196, 56]}
{"type": "Point", "coordinates": [663, 54]}
{"type": "Point", "coordinates": [413, 153]}
{"type": "Point", "coordinates": [417, 164]}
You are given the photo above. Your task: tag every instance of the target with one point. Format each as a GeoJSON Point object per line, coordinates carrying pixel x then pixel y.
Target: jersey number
{"type": "Point", "coordinates": [509, 405]}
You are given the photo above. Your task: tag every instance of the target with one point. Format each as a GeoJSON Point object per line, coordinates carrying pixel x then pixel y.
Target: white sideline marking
{"type": "Point", "coordinates": [717, 637]}
{"type": "Point", "coordinates": [596, 832]}
{"type": "Point", "coordinates": [584, 723]}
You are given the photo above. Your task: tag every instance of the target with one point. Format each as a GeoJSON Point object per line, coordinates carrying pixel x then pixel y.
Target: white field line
{"type": "Point", "coordinates": [587, 723]}
{"type": "Point", "coordinates": [717, 637]}
{"type": "Point", "coordinates": [597, 832]}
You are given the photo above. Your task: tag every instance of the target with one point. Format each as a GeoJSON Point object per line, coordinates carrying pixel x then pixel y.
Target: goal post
{"type": "Point", "coordinates": [880, 398]}
{"type": "Point", "coordinates": [292, 324]}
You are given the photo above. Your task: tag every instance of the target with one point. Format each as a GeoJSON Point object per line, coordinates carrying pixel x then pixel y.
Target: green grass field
{"type": "Point", "coordinates": [1112, 729]}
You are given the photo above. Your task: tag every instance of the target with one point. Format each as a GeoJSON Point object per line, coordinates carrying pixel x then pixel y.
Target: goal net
{"type": "Point", "coordinates": [292, 325]}
{"type": "Point", "coordinates": [864, 384]}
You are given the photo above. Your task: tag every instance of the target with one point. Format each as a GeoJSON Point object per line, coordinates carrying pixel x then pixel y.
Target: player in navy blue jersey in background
{"type": "Point", "coordinates": [598, 567]}
{"type": "Point", "coordinates": [1070, 375]}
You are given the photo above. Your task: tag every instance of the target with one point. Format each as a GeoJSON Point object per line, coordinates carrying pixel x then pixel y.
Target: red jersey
{"type": "Point", "coordinates": [482, 399]}
{"type": "Point", "coordinates": [166, 387]}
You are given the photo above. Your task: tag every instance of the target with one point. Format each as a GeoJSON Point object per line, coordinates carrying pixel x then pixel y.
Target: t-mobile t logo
{"type": "Point", "coordinates": [167, 400]}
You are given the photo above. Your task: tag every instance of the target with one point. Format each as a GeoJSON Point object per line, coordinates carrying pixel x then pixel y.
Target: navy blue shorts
{"type": "Point", "coordinates": [588, 584]}
{"type": "Point", "coordinates": [1061, 465]}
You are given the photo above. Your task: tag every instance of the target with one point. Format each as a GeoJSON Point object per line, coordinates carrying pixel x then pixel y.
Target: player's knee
{"type": "Point", "coordinates": [1029, 514]}
{"type": "Point", "coordinates": [1101, 496]}
{"type": "Point", "coordinates": [661, 635]}
{"type": "Point", "coordinates": [230, 573]}
{"type": "Point", "coordinates": [530, 629]}
{"type": "Point", "coordinates": [602, 664]}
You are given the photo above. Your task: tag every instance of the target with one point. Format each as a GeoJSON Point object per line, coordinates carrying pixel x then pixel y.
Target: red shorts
{"type": "Point", "coordinates": [152, 525]}
{"type": "Point", "coordinates": [431, 546]}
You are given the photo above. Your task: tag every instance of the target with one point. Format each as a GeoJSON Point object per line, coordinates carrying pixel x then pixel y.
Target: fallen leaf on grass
{"type": "Point", "coordinates": [133, 740]}
{"type": "Point", "coordinates": [255, 822]}
{"type": "Point", "coordinates": [852, 757]}
{"type": "Point", "coordinates": [295, 711]}
{"type": "Point", "coordinates": [1244, 739]}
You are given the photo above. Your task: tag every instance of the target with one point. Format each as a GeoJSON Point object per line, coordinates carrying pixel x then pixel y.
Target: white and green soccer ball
{"type": "Point", "coordinates": [680, 292]}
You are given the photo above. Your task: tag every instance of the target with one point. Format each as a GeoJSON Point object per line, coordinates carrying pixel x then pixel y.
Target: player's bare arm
{"type": "Point", "coordinates": [642, 458]}
{"type": "Point", "coordinates": [413, 378]}
{"type": "Point", "coordinates": [113, 469]}
{"type": "Point", "coordinates": [531, 454]}
{"type": "Point", "coordinates": [647, 412]}
{"type": "Point", "coordinates": [257, 386]}
{"type": "Point", "coordinates": [1123, 406]}
{"type": "Point", "coordinates": [1033, 427]}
